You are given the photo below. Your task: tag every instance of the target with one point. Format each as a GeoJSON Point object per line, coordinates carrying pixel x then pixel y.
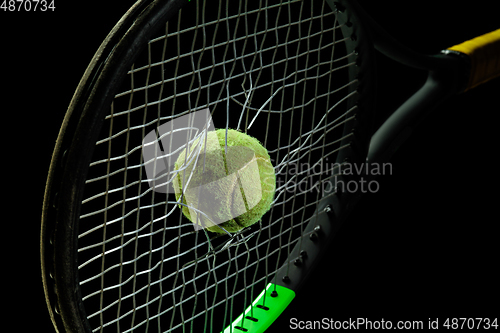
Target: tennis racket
{"type": "Point", "coordinates": [117, 253]}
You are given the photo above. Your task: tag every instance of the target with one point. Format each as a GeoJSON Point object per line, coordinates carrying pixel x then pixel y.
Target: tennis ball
{"type": "Point", "coordinates": [232, 189]}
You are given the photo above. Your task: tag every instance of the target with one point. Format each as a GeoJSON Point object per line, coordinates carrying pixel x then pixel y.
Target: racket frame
{"type": "Point", "coordinates": [64, 190]}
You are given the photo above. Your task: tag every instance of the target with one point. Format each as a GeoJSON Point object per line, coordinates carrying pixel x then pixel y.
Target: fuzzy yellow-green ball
{"type": "Point", "coordinates": [232, 190]}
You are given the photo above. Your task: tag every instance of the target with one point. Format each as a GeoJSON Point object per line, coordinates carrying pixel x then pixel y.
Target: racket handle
{"type": "Point", "coordinates": [484, 54]}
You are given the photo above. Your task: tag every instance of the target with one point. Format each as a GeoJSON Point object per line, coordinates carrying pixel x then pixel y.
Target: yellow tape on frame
{"type": "Point", "coordinates": [484, 54]}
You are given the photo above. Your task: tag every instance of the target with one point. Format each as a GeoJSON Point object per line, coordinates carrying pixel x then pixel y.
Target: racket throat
{"type": "Point", "coordinates": [402, 122]}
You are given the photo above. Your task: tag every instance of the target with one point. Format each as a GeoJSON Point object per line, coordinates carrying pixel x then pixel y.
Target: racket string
{"type": "Point", "coordinates": [137, 255]}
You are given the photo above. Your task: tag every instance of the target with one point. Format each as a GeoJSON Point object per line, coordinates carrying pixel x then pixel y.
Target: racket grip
{"type": "Point", "coordinates": [484, 54]}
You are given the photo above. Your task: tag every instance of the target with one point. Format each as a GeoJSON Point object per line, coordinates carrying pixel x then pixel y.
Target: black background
{"type": "Point", "coordinates": [424, 246]}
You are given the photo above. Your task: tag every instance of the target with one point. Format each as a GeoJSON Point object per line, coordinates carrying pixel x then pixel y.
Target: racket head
{"type": "Point", "coordinates": [86, 120]}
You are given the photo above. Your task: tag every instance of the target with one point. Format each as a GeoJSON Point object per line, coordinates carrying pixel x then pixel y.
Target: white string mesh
{"type": "Point", "coordinates": [277, 65]}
